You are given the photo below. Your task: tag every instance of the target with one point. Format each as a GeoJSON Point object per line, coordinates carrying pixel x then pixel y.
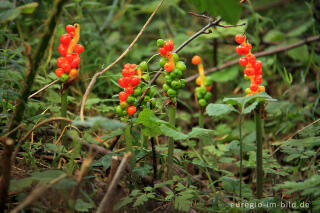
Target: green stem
{"type": "Point", "coordinates": [128, 139]}
{"type": "Point", "coordinates": [257, 115]}
{"type": "Point", "coordinates": [64, 104]}
{"type": "Point", "coordinates": [172, 121]}
{"type": "Point", "coordinates": [201, 125]}
{"type": "Point", "coordinates": [241, 155]}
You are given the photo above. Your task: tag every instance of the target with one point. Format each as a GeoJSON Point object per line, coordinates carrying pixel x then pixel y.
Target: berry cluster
{"type": "Point", "coordinates": [69, 50]}
{"type": "Point", "coordinates": [203, 93]}
{"type": "Point", "coordinates": [253, 68]}
{"type": "Point", "coordinates": [173, 67]}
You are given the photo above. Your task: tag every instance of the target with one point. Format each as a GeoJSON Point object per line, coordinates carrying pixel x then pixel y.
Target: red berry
{"type": "Point", "coordinates": [65, 39]}
{"type": "Point", "coordinates": [249, 71]}
{"type": "Point", "coordinates": [123, 96]}
{"type": "Point", "coordinates": [125, 73]}
{"type": "Point", "coordinates": [70, 28]}
{"type": "Point", "coordinates": [121, 83]}
{"type": "Point", "coordinates": [78, 48]}
{"type": "Point", "coordinates": [66, 67]}
{"type": "Point", "coordinates": [69, 57]}
{"type": "Point", "coordinates": [251, 58]}
{"type": "Point", "coordinates": [254, 87]}
{"type": "Point", "coordinates": [243, 61]}
{"type": "Point", "coordinates": [162, 51]}
{"type": "Point", "coordinates": [131, 110]}
{"type": "Point", "coordinates": [249, 46]}
{"type": "Point", "coordinates": [168, 46]}
{"type": "Point", "coordinates": [127, 66]}
{"type": "Point", "coordinates": [129, 90]}
{"type": "Point", "coordinates": [196, 60]}
{"type": "Point", "coordinates": [258, 79]}
{"type": "Point", "coordinates": [242, 50]}
{"type": "Point", "coordinates": [131, 72]}
{"type": "Point", "coordinates": [60, 61]}
{"type": "Point", "coordinates": [75, 62]}
{"type": "Point", "coordinates": [59, 72]}
{"type": "Point", "coordinates": [257, 65]}
{"type": "Point", "coordinates": [258, 72]}
{"type": "Point", "coordinates": [135, 81]}
{"type": "Point", "coordinates": [62, 49]}
{"type": "Point", "coordinates": [240, 38]}
{"type": "Point", "coordinates": [132, 66]}
{"type": "Point", "coordinates": [168, 66]}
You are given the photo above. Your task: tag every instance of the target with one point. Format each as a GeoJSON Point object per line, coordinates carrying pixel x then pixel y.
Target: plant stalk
{"type": "Point", "coordinates": [63, 111]}
{"type": "Point", "coordinates": [241, 155]}
{"type": "Point", "coordinates": [128, 139]}
{"type": "Point", "coordinates": [201, 125]}
{"type": "Point", "coordinates": [257, 115]}
{"type": "Point", "coordinates": [172, 121]}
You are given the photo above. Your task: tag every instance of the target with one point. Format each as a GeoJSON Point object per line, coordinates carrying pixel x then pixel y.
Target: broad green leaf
{"type": "Point", "coordinates": [150, 122]}
{"type": "Point", "coordinates": [124, 201]}
{"type": "Point", "coordinates": [250, 107]}
{"type": "Point", "coordinates": [173, 133]}
{"type": "Point", "coordinates": [83, 206]}
{"type": "Point", "coordinates": [274, 36]}
{"type": "Point", "coordinates": [105, 123]}
{"type": "Point", "coordinates": [200, 132]}
{"type": "Point", "coordinates": [219, 109]}
{"type": "Point", "coordinates": [9, 15]}
{"type": "Point", "coordinates": [225, 75]}
{"type": "Point", "coordinates": [141, 200]}
{"type": "Point", "coordinates": [219, 32]}
{"type": "Point", "coordinates": [300, 53]}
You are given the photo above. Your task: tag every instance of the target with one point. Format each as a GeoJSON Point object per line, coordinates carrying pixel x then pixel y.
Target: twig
{"type": "Point", "coordinates": [114, 142]}
{"type": "Point", "coordinates": [259, 54]}
{"type": "Point", "coordinates": [154, 157]}
{"type": "Point", "coordinates": [93, 80]}
{"type": "Point", "coordinates": [36, 193]}
{"type": "Point", "coordinates": [35, 127]}
{"type": "Point", "coordinates": [105, 203]}
{"type": "Point", "coordinates": [22, 100]}
{"type": "Point", "coordinates": [44, 88]}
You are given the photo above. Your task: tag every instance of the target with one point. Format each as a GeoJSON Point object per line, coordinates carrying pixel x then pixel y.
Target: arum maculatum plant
{"type": "Point", "coordinates": [202, 93]}
{"type": "Point", "coordinates": [68, 63]}
{"type": "Point", "coordinates": [174, 70]}
{"type": "Point", "coordinates": [255, 100]}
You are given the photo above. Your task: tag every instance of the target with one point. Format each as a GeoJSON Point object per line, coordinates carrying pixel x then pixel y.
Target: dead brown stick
{"type": "Point", "coordinates": [35, 127]}
{"type": "Point", "coordinates": [44, 88]}
{"type": "Point", "coordinates": [36, 193]}
{"type": "Point", "coordinates": [259, 54]}
{"type": "Point", "coordinates": [105, 203]}
{"type": "Point", "coordinates": [94, 79]}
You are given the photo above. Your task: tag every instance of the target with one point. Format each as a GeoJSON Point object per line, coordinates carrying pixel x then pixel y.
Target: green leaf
{"type": "Point", "coordinates": [274, 36]}
{"type": "Point", "coordinates": [219, 32]}
{"type": "Point", "coordinates": [219, 109]}
{"type": "Point", "coordinates": [300, 53]}
{"type": "Point", "coordinates": [95, 122]}
{"type": "Point", "coordinates": [150, 122]}
{"type": "Point", "coordinates": [9, 15]}
{"type": "Point", "coordinates": [141, 200]}
{"type": "Point", "coordinates": [250, 107]}
{"type": "Point", "coordinates": [28, 8]}
{"type": "Point", "coordinates": [82, 206]}
{"type": "Point", "coordinates": [225, 75]}
{"type": "Point", "coordinates": [124, 201]}
{"type": "Point", "coordinates": [173, 133]}
{"type": "Point", "coordinates": [200, 132]}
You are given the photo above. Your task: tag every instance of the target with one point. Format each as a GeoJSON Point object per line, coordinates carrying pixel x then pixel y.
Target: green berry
{"type": "Point", "coordinates": [181, 66]}
{"type": "Point", "coordinates": [168, 79]}
{"type": "Point", "coordinates": [165, 87]}
{"type": "Point", "coordinates": [147, 98]}
{"type": "Point", "coordinates": [143, 65]}
{"type": "Point", "coordinates": [248, 91]}
{"type": "Point", "coordinates": [175, 57]}
{"type": "Point", "coordinates": [208, 96]}
{"type": "Point", "coordinates": [119, 110]}
{"type": "Point", "coordinates": [162, 62]}
{"type": "Point", "coordinates": [207, 82]}
{"type": "Point", "coordinates": [146, 77]}
{"type": "Point", "coordinates": [172, 93]}
{"type": "Point", "coordinates": [137, 92]}
{"type": "Point", "coordinates": [123, 105]}
{"type": "Point", "coordinates": [203, 90]}
{"type": "Point", "coordinates": [173, 75]}
{"type": "Point", "coordinates": [64, 77]}
{"type": "Point", "coordinates": [183, 83]}
{"type": "Point", "coordinates": [154, 103]}
{"type": "Point", "coordinates": [125, 112]}
{"type": "Point", "coordinates": [202, 102]}
{"type": "Point", "coordinates": [160, 43]}
{"type": "Point", "coordinates": [130, 100]}
{"type": "Point", "coordinates": [175, 84]}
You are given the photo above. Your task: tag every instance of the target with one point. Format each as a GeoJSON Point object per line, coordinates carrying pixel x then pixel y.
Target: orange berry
{"type": "Point", "coordinates": [196, 60]}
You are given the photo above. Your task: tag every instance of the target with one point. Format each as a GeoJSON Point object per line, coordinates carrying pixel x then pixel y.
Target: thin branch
{"type": "Point", "coordinates": [44, 88]}
{"type": "Point", "coordinates": [106, 201]}
{"type": "Point", "coordinates": [259, 54]}
{"type": "Point", "coordinates": [94, 79]}
{"type": "Point", "coordinates": [36, 193]}
{"type": "Point", "coordinates": [35, 127]}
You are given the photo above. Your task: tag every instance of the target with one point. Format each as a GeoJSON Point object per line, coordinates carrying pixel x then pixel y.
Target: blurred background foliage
{"type": "Point", "coordinates": [109, 26]}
